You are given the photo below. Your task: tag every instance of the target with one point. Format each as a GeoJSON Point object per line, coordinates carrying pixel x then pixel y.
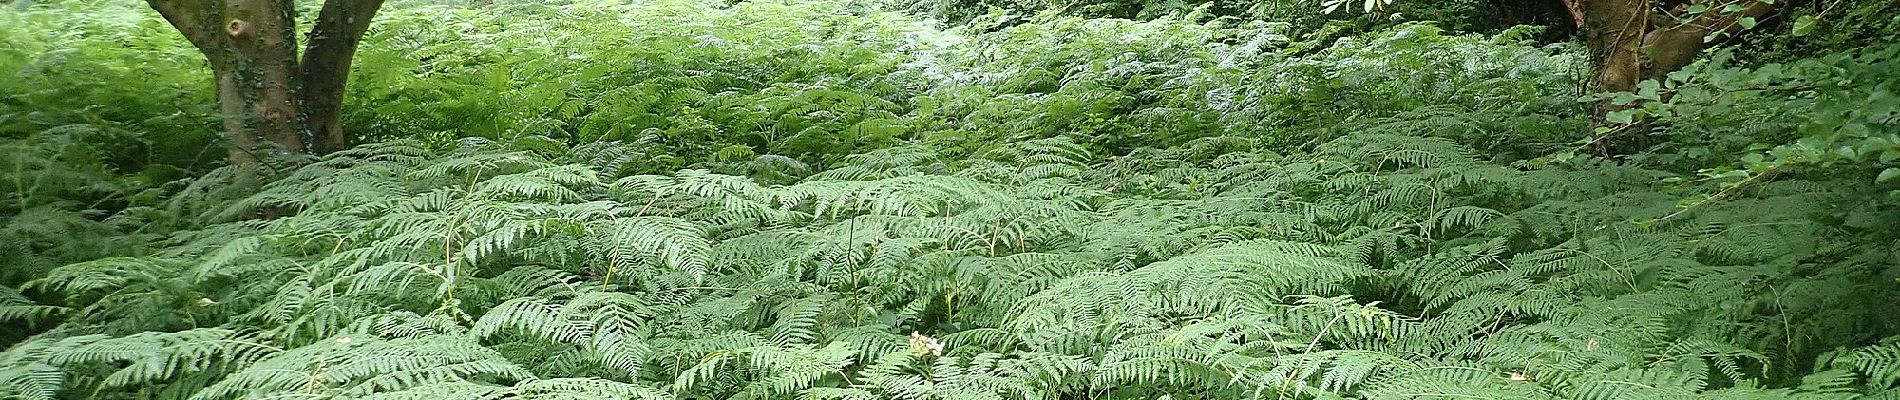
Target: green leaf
{"type": "Point", "coordinates": [1746, 22]}
{"type": "Point", "coordinates": [1803, 25]}
{"type": "Point", "coordinates": [1846, 152]}
{"type": "Point", "coordinates": [1622, 117]}
{"type": "Point", "coordinates": [1887, 175]}
{"type": "Point", "coordinates": [1733, 174]}
{"type": "Point", "coordinates": [1623, 98]}
{"type": "Point", "coordinates": [1648, 88]}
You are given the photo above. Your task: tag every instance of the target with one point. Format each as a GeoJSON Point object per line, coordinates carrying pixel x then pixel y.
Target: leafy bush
{"type": "Point", "coordinates": [1833, 115]}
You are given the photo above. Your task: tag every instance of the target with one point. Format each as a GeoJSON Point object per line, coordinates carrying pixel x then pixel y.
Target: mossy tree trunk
{"type": "Point", "coordinates": [270, 99]}
{"type": "Point", "coordinates": [1635, 40]}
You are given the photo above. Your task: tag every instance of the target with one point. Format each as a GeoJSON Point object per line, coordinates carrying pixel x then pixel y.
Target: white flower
{"type": "Point", "coordinates": [925, 344]}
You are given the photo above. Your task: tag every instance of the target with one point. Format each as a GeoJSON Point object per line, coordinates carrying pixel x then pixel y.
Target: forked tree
{"type": "Point", "coordinates": [271, 96]}
{"type": "Point", "coordinates": [1635, 40]}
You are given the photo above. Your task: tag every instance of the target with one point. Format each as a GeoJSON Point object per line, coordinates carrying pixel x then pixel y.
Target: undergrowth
{"type": "Point", "coordinates": [826, 201]}
{"type": "Point", "coordinates": [1379, 266]}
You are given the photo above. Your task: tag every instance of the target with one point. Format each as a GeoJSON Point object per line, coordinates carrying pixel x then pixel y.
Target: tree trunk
{"type": "Point", "coordinates": [1635, 40]}
{"type": "Point", "coordinates": [251, 47]}
{"type": "Point", "coordinates": [270, 101]}
{"type": "Point", "coordinates": [326, 67]}
{"type": "Point", "coordinates": [1614, 30]}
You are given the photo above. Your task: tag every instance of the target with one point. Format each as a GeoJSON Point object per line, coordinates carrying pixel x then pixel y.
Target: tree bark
{"type": "Point", "coordinates": [326, 68]}
{"type": "Point", "coordinates": [252, 53]}
{"type": "Point", "coordinates": [1613, 31]}
{"type": "Point", "coordinates": [1674, 48]}
{"type": "Point", "coordinates": [271, 101]}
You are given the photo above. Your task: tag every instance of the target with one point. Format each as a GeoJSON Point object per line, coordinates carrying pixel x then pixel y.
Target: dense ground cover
{"type": "Point", "coordinates": [684, 199]}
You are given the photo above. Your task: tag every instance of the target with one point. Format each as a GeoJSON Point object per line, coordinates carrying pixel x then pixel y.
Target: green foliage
{"type": "Point", "coordinates": [1122, 85]}
{"type": "Point", "coordinates": [1304, 17]}
{"type": "Point", "coordinates": [1378, 266]}
{"type": "Point", "coordinates": [1806, 29]}
{"type": "Point", "coordinates": [123, 84]}
{"type": "Point", "coordinates": [93, 138]}
{"type": "Point", "coordinates": [768, 89]}
{"type": "Point", "coordinates": [682, 80]}
{"type": "Point", "coordinates": [1831, 115]}
{"type": "Point", "coordinates": [820, 200]}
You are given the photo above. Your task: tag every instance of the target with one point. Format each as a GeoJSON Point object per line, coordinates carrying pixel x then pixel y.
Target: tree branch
{"type": "Point", "coordinates": [339, 27]}
{"type": "Point", "coordinates": [199, 21]}
{"type": "Point", "coordinates": [1675, 47]}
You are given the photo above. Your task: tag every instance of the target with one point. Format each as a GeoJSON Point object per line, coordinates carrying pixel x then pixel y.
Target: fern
{"type": "Point", "coordinates": [822, 200]}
